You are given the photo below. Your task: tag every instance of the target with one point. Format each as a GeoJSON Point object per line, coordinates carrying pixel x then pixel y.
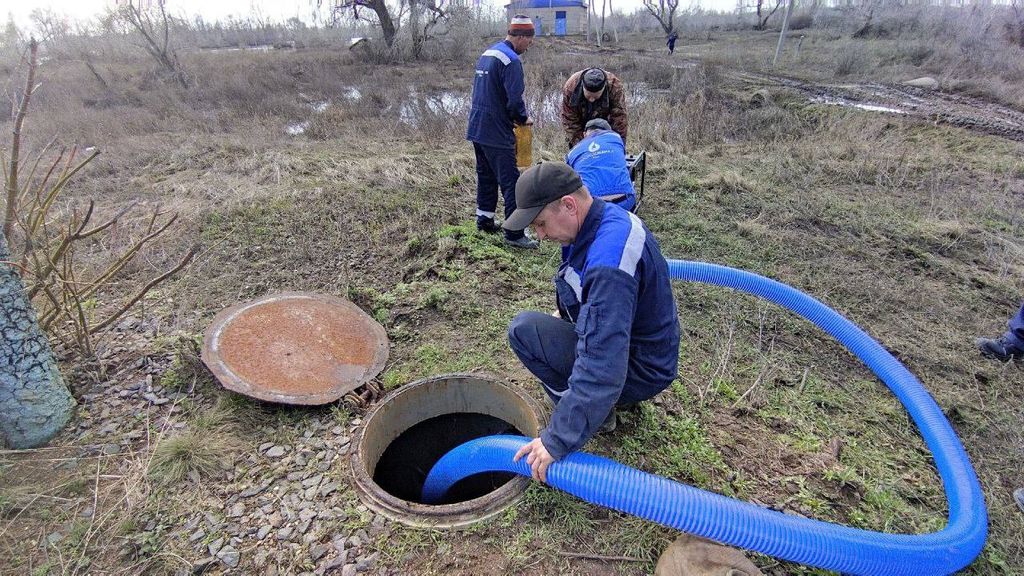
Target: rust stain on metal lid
{"type": "Point", "coordinates": [295, 348]}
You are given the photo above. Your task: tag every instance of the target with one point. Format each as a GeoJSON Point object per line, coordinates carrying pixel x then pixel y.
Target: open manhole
{"type": "Point", "coordinates": [413, 427]}
{"type": "Point", "coordinates": [295, 348]}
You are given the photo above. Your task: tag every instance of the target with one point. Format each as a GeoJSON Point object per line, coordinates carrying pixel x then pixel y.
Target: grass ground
{"type": "Point", "coordinates": [910, 229]}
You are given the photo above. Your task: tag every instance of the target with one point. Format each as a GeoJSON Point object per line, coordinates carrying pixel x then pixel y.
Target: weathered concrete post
{"type": "Point", "coordinates": [35, 404]}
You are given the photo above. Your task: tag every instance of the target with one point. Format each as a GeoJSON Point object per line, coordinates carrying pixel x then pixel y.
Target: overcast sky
{"type": "Point", "coordinates": [272, 9]}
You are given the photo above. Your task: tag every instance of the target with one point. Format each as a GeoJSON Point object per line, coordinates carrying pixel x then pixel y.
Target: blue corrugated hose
{"type": "Point", "coordinates": [810, 542]}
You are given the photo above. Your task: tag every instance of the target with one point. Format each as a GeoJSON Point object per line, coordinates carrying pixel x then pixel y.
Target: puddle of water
{"type": "Point", "coordinates": [443, 104]}
{"type": "Point", "coordinates": [416, 107]}
{"type": "Point", "coordinates": [317, 106]}
{"type": "Point", "coordinates": [256, 48]}
{"type": "Point", "coordinates": [545, 108]}
{"type": "Point", "coordinates": [448, 103]}
{"type": "Point", "coordinates": [848, 104]}
{"type": "Point", "coordinates": [637, 93]}
{"type": "Point", "coordinates": [297, 128]}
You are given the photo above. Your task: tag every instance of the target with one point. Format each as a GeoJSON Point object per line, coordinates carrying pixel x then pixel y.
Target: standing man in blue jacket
{"type": "Point", "coordinates": [615, 340]}
{"type": "Point", "coordinates": [497, 107]}
{"type": "Point", "coordinates": [600, 160]}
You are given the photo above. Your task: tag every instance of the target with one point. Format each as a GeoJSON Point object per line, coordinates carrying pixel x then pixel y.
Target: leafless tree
{"type": "Point", "coordinates": [149, 20]}
{"type": "Point", "coordinates": [1015, 27]}
{"type": "Point", "coordinates": [66, 43]}
{"type": "Point", "coordinates": [375, 11]}
{"type": "Point", "coordinates": [765, 9]}
{"type": "Point", "coordinates": [665, 12]}
{"type": "Point", "coordinates": [422, 17]}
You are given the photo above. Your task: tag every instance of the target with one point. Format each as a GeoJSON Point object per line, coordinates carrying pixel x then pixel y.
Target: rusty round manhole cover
{"type": "Point", "coordinates": [295, 348]}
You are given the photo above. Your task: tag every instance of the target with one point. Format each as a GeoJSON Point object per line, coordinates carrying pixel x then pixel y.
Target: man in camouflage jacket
{"type": "Point", "coordinates": [592, 93]}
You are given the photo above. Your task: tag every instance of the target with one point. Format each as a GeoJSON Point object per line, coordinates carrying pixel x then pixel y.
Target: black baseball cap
{"type": "Point", "coordinates": [537, 187]}
{"type": "Point", "coordinates": [598, 124]}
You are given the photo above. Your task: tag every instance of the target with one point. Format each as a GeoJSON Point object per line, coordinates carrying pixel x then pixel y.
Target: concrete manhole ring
{"type": "Point", "coordinates": [295, 348]}
{"type": "Point", "coordinates": [403, 409]}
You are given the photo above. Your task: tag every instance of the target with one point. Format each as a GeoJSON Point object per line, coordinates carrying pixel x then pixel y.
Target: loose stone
{"type": "Point", "coordinates": [215, 546]}
{"type": "Point", "coordinates": [229, 556]}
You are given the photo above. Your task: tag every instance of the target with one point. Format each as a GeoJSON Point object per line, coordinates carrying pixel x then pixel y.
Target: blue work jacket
{"type": "Point", "coordinates": [497, 97]}
{"type": "Point", "coordinates": [600, 160]}
{"type": "Point", "coordinates": [613, 284]}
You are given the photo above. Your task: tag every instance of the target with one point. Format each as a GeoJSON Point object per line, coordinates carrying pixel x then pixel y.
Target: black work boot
{"type": "Point", "coordinates": [521, 242]}
{"type": "Point", "coordinates": [488, 225]}
{"type": "Point", "coordinates": [1001, 349]}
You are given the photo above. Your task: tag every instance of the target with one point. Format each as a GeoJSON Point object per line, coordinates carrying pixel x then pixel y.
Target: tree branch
{"type": "Point", "coordinates": [19, 121]}
{"type": "Point", "coordinates": [184, 262]}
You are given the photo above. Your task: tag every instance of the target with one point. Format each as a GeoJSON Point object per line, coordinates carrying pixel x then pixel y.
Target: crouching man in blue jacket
{"type": "Point", "coordinates": [615, 340]}
{"type": "Point", "coordinates": [600, 160]}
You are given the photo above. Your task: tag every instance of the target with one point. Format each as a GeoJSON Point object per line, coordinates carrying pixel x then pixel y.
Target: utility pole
{"type": "Point", "coordinates": [782, 35]}
{"type": "Point", "coordinates": [588, 20]}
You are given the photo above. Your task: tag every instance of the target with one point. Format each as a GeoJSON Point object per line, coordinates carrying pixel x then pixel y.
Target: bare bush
{"type": "Point", "coordinates": [44, 243]}
{"type": "Point", "coordinates": [853, 60]}
{"type": "Point", "coordinates": [801, 21]}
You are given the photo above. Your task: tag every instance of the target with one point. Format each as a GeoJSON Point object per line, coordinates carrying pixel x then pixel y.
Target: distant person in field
{"type": "Point", "coordinates": [615, 339]}
{"type": "Point", "coordinates": [497, 107]}
{"type": "Point", "coordinates": [592, 93]}
{"type": "Point", "coordinates": [1009, 346]}
{"type": "Point", "coordinates": [671, 42]}
{"type": "Point", "coordinates": [600, 160]}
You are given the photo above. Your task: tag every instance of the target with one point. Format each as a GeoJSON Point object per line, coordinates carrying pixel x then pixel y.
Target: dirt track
{"type": "Point", "coordinates": [930, 105]}
{"type": "Point", "coordinates": [933, 106]}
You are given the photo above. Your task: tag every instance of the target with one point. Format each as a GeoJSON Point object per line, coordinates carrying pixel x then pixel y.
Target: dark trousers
{"type": "Point", "coordinates": [547, 347]}
{"type": "Point", "coordinates": [1015, 335]}
{"type": "Point", "coordinates": [496, 167]}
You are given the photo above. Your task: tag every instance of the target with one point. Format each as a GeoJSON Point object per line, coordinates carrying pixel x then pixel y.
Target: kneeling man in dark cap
{"type": "Point", "coordinates": [615, 338]}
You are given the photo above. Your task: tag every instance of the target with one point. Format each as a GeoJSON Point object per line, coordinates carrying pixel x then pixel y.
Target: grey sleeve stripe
{"type": "Point", "coordinates": [499, 55]}
{"type": "Point", "coordinates": [573, 280]}
{"type": "Point", "coordinates": [634, 248]}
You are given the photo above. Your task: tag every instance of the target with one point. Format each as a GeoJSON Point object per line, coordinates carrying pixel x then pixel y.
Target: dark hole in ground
{"type": "Point", "coordinates": [403, 467]}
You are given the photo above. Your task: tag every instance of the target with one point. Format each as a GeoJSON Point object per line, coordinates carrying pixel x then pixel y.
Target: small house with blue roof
{"type": "Point", "coordinates": [552, 17]}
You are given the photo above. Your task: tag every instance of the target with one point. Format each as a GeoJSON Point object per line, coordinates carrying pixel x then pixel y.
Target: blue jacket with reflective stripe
{"type": "Point", "coordinates": [600, 160]}
{"type": "Point", "coordinates": [497, 97]}
{"type": "Point", "coordinates": [614, 285]}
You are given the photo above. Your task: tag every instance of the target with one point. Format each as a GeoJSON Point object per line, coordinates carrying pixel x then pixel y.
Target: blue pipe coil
{"type": "Point", "coordinates": [806, 541]}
